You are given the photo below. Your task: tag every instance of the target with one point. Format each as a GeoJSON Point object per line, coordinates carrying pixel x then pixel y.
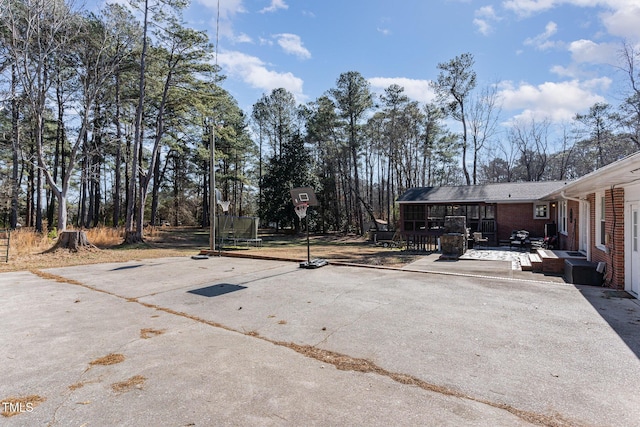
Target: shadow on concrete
{"type": "Point", "coordinates": [126, 267]}
{"type": "Point", "coordinates": [217, 290]}
{"type": "Point", "coordinates": [620, 310]}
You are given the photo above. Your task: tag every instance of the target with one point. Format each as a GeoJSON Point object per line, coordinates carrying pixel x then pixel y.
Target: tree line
{"type": "Point", "coordinates": [108, 119]}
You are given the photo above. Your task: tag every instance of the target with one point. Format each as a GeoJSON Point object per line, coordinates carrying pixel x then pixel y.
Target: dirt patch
{"type": "Point", "coordinates": [147, 333]}
{"type": "Point", "coordinates": [136, 381]}
{"type": "Point", "coordinates": [17, 405]}
{"type": "Point", "coordinates": [110, 359]}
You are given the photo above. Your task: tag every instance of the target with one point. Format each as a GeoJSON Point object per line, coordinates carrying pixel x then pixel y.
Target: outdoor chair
{"type": "Point", "coordinates": [519, 239]}
{"type": "Point", "coordinates": [479, 240]}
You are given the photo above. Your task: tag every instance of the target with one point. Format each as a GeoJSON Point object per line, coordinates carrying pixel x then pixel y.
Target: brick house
{"type": "Point", "coordinates": [492, 209]}
{"type": "Point", "coordinates": [599, 216]}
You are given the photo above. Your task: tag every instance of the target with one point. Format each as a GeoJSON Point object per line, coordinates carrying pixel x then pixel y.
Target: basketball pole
{"type": "Point", "coordinates": [212, 169]}
{"type": "Point", "coordinates": [212, 190]}
{"type": "Point", "coordinates": [308, 245]}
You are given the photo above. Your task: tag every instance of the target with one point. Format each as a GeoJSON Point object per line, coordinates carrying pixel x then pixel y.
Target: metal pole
{"type": "Point", "coordinates": [212, 189]}
{"type": "Point", "coordinates": [308, 247]}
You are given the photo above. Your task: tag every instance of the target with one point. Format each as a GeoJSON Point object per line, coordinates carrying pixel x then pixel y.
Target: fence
{"type": "Point", "coordinates": [238, 229]}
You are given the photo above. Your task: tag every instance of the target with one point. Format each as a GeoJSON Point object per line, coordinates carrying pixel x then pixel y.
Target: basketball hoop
{"type": "Point", "coordinates": [225, 205]}
{"type": "Point", "coordinates": [301, 210]}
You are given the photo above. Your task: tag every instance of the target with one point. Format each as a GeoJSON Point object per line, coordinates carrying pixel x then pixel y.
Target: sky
{"type": "Point", "coordinates": [550, 58]}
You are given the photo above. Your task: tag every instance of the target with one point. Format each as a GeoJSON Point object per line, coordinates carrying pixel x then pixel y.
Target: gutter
{"type": "Point", "coordinates": [570, 198]}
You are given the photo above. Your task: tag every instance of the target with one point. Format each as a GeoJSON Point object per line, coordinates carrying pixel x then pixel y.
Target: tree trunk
{"type": "Point", "coordinates": [118, 157]}
{"type": "Point", "coordinates": [15, 149]}
{"type": "Point", "coordinates": [133, 237]}
{"type": "Point", "coordinates": [39, 190]}
{"type": "Point", "coordinates": [73, 241]}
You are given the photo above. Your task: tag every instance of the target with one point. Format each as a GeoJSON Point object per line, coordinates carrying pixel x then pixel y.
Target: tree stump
{"type": "Point", "coordinates": [133, 237]}
{"type": "Point", "coordinates": [73, 241]}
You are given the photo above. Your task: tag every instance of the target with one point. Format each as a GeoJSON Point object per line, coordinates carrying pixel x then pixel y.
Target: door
{"type": "Point", "coordinates": [584, 244]}
{"type": "Point", "coordinates": [634, 249]}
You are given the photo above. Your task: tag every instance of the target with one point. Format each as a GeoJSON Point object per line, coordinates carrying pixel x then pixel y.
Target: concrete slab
{"type": "Point", "coordinates": [443, 349]}
{"type": "Point", "coordinates": [489, 263]}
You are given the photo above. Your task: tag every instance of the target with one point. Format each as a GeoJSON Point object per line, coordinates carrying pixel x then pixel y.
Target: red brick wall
{"type": "Point", "coordinates": [614, 230]}
{"type": "Point", "coordinates": [519, 216]}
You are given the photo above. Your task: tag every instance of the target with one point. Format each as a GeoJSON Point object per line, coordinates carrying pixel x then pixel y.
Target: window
{"type": "Point", "coordinates": [436, 212]}
{"type": "Point", "coordinates": [541, 211]}
{"type": "Point", "coordinates": [459, 210]}
{"type": "Point", "coordinates": [489, 212]}
{"type": "Point", "coordinates": [473, 212]}
{"type": "Point", "coordinates": [562, 217]}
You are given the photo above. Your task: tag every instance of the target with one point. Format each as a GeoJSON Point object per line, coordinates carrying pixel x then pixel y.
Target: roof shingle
{"type": "Point", "coordinates": [509, 192]}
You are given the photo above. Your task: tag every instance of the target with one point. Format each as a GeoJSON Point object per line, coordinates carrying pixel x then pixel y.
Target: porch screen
{"type": "Point", "coordinates": [414, 217]}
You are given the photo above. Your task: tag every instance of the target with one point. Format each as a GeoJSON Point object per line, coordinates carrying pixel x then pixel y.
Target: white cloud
{"type": "Point", "coordinates": [572, 71]}
{"type": "Point", "coordinates": [484, 19]}
{"type": "Point", "coordinates": [254, 72]}
{"type": "Point", "coordinates": [623, 20]}
{"type": "Point", "coordinates": [384, 31]}
{"type": "Point", "coordinates": [587, 51]}
{"type": "Point", "coordinates": [528, 7]}
{"type": "Point", "coordinates": [243, 38]}
{"type": "Point", "coordinates": [542, 41]}
{"type": "Point", "coordinates": [274, 6]}
{"type": "Point", "coordinates": [292, 44]}
{"type": "Point", "coordinates": [417, 90]}
{"type": "Point", "coordinates": [557, 101]}
{"type": "Point", "coordinates": [620, 17]}
{"type": "Point", "coordinates": [228, 10]}
{"type": "Point", "coordinates": [484, 27]}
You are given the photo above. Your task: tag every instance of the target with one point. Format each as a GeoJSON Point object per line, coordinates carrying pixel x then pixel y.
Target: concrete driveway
{"type": "Point", "coordinates": [229, 341]}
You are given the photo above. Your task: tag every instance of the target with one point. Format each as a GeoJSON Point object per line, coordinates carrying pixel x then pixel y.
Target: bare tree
{"type": "Point", "coordinates": [630, 107]}
{"type": "Point", "coordinates": [531, 141]}
{"type": "Point", "coordinates": [484, 113]}
{"type": "Point", "coordinates": [561, 160]}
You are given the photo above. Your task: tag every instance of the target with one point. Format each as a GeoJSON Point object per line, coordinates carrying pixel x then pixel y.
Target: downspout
{"type": "Point", "coordinates": [612, 247]}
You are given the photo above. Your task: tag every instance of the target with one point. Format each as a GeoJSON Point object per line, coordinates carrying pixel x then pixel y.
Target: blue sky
{"type": "Point", "coordinates": [552, 58]}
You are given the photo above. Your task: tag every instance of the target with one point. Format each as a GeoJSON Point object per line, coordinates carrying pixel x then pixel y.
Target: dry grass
{"type": "Point", "coordinates": [137, 381]}
{"type": "Point", "coordinates": [110, 359]}
{"type": "Point", "coordinates": [147, 333]}
{"type": "Point", "coordinates": [76, 386]}
{"type": "Point", "coordinates": [16, 405]}
{"type": "Point", "coordinates": [29, 249]}
{"type": "Point", "coordinates": [335, 247]}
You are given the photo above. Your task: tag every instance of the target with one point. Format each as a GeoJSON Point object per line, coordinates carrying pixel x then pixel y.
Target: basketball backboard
{"type": "Point", "coordinates": [302, 195]}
